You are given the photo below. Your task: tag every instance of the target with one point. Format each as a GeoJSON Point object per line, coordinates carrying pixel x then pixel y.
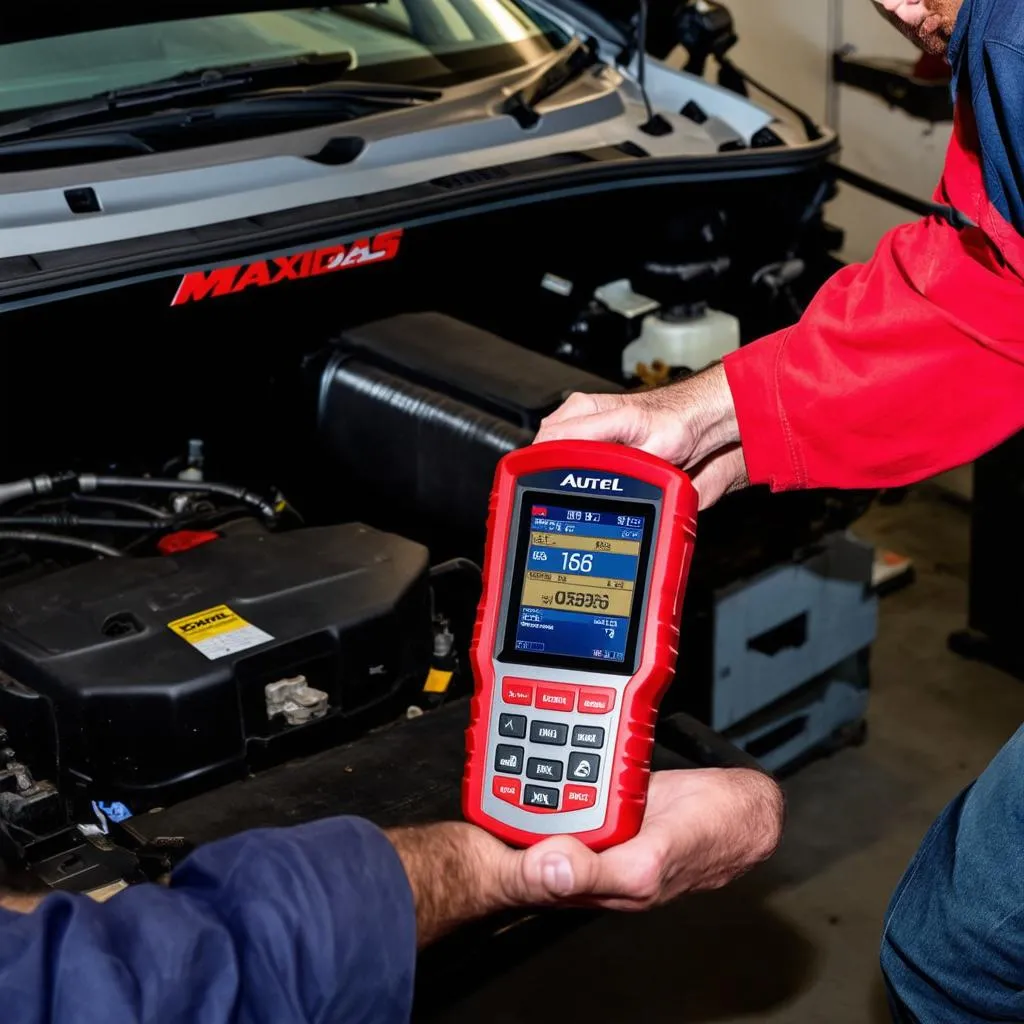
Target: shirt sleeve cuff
{"type": "Point", "coordinates": [328, 903]}
{"type": "Point", "coordinates": [769, 449]}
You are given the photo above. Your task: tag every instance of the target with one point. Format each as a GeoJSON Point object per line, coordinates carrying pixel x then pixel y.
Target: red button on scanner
{"type": "Point", "coordinates": [507, 789]}
{"type": "Point", "coordinates": [596, 702]}
{"type": "Point", "coordinates": [517, 691]}
{"type": "Point", "coordinates": [555, 698]}
{"type": "Point", "coordinates": [575, 798]}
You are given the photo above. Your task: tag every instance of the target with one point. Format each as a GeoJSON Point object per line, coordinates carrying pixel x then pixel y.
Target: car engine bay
{"type": "Point", "coordinates": [244, 520]}
{"type": "Point", "coordinates": [252, 552]}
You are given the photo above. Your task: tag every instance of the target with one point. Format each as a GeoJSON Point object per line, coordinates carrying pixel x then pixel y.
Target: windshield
{"type": "Point", "coordinates": [422, 42]}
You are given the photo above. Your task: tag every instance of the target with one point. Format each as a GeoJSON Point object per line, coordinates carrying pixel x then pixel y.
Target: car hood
{"type": "Point", "coordinates": [446, 158]}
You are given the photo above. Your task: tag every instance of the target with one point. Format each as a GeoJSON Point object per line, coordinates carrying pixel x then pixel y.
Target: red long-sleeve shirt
{"type": "Point", "coordinates": [901, 367]}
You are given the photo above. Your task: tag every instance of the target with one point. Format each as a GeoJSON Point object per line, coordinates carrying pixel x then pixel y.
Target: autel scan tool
{"type": "Point", "coordinates": [588, 550]}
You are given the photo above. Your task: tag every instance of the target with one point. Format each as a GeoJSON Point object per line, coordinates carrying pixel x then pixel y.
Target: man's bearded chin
{"type": "Point", "coordinates": [934, 33]}
{"type": "Point", "coordinates": [935, 43]}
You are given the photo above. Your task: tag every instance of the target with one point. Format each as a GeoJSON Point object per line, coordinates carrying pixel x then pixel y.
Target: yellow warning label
{"type": "Point", "coordinates": [218, 632]}
{"type": "Point", "coordinates": [212, 622]}
{"type": "Point", "coordinates": [437, 681]}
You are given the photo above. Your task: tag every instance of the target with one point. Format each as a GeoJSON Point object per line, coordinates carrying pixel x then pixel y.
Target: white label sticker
{"type": "Point", "coordinates": [218, 632]}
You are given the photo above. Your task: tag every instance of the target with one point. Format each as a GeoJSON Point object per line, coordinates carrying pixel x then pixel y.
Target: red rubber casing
{"type": "Point", "coordinates": [658, 647]}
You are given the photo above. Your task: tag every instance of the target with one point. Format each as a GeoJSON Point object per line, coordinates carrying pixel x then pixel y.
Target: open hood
{"type": "Point", "coordinates": [29, 21]}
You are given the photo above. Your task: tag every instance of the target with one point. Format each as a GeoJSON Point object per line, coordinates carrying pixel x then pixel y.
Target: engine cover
{"type": "Point", "coordinates": [145, 680]}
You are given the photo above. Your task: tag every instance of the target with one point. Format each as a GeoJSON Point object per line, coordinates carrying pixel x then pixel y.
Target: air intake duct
{"type": "Point", "coordinates": [418, 408]}
{"type": "Point", "coordinates": [427, 460]}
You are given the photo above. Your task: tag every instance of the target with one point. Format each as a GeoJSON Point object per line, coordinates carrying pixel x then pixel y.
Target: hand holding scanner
{"type": "Point", "coordinates": [588, 550]}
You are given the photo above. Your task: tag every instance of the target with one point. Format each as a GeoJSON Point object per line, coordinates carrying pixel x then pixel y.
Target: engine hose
{"type": "Point", "coordinates": [453, 565]}
{"type": "Point", "coordinates": [123, 503]}
{"type": "Point", "coordinates": [88, 482]}
{"type": "Point", "coordinates": [66, 483]}
{"type": "Point", "coordinates": [60, 540]}
{"type": "Point", "coordinates": [70, 522]}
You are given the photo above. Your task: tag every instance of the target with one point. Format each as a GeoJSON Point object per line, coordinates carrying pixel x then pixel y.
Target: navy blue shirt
{"type": "Point", "coordinates": [987, 55]}
{"type": "Point", "coordinates": [313, 923]}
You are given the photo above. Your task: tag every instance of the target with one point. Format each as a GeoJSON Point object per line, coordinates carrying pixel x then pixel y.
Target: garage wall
{"type": "Point", "coordinates": [787, 44]}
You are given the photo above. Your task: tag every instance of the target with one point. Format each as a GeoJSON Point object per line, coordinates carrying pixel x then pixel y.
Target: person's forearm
{"type": "Point", "coordinates": [454, 873]}
{"type": "Point", "coordinates": [902, 368]}
{"type": "Point", "coordinates": [314, 922]}
{"type": "Point", "coordinates": [451, 881]}
{"type": "Point", "coordinates": [705, 403]}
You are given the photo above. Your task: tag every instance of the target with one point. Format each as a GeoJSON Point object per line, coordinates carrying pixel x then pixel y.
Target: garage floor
{"type": "Point", "coordinates": [796, 941]}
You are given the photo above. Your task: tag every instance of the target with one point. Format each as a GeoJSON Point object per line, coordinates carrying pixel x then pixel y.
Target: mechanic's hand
{"type": "Point", "coordinates": [691, 424]}
{"type": "Point", "coordinates": [702, 829]}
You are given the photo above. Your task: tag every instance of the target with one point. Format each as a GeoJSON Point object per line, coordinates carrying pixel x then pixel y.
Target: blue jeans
{"type": "Point", "coordinates": [953, 946]}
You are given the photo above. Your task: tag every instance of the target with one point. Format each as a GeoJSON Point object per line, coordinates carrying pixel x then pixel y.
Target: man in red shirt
{"type": "Point", "coordinates": [901, 368]}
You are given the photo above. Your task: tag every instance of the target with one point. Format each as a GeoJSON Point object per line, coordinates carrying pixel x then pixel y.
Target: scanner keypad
{"type": "Point", "coordinates": [563, 765]}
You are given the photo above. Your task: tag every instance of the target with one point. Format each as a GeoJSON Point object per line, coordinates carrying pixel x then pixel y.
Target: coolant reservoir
{"type": "Point", "coordinates": [677, 340]}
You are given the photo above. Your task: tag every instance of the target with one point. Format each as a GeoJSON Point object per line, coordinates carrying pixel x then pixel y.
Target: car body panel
{"type": "Point", "coordinates": [234, 189]}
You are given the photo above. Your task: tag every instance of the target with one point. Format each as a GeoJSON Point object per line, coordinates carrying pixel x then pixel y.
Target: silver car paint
{"type": "Point", "coordinates": [462, 131]}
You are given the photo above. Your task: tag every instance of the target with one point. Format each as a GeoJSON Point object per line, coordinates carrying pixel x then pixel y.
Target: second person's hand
{"type": "Point", "coordinates": [703, 828]}
{"type": "Point", "coordinates": [691, 424]}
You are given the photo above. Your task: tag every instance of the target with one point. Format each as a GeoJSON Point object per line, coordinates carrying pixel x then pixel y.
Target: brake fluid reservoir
{"type": "Point", "coordinates": [687, 339]}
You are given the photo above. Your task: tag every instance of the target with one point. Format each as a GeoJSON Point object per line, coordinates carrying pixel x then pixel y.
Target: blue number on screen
{"type": "Point", "coordinates": [576, 562]}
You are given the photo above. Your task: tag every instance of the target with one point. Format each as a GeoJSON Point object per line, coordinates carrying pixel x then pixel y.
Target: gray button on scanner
{"type": "Point", "coordinates": [538, 768]}
{"type": "Point", "coordinates": [512, 725]}
{"type": "Point", "coordinates": [583, 767]}
{"type": "Point", "coordinates": [539, 796]}
{"type": "Point", "coordinates": [509, 760]}
{"type": "Point", "coordinates": [588, 736]}
{"type": "Point", "coordinates": [549, 732]}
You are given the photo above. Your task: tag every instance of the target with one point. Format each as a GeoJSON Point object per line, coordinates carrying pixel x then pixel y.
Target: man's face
{"type": "Point", "coordinates": [929, 23]}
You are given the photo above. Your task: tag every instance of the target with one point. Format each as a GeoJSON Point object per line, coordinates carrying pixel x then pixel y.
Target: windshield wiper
{"type": "Point", "coordinates": [522, 104]}
{"type": "Point", "coordinates": [38, 154]}
{"type": "Point", "coordinates": [303, 70]}
{"type": "Point", "coordinates": [232, 120]}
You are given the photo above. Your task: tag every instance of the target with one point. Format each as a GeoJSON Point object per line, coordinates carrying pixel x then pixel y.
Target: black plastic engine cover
{"type": "Point", "coordinates": [120, 706]}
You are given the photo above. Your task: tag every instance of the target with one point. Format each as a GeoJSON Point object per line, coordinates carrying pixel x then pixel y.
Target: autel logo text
{"type": "Point", "coordinates": [591, 483]}
{"type": "Point", "coordinates": [206, 284]}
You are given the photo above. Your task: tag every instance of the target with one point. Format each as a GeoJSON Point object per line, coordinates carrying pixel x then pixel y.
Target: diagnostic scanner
{"type": "Point", "coordinates": [588, 550]}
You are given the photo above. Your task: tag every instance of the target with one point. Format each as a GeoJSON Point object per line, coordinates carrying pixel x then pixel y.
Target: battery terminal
{"type": "Point", "coordinates": [296, 700]}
